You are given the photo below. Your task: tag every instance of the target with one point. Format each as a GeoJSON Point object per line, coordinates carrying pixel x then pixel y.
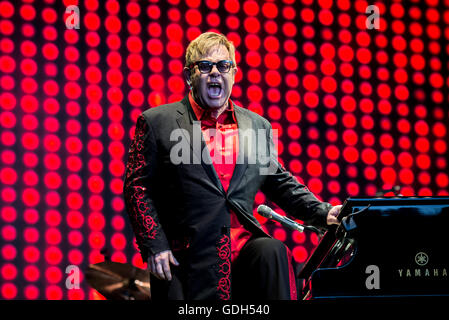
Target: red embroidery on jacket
{"type": "Point", "coordinates": [140, 211]}
{"type": "Point", "coordinates": [224, 253]}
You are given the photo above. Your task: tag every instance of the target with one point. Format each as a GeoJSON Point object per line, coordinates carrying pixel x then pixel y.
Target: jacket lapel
{"type": "Point", "coordinates": [244, 124]}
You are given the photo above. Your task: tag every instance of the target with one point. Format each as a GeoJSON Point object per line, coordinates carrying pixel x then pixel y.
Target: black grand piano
{"type": "Point", "coordinates": [384, 247]}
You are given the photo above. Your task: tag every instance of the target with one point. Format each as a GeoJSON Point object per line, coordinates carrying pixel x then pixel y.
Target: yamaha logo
{"type": "Point", "coordinates": [422, 269]}
{"type": "Point", "coordinates": [421, 259]}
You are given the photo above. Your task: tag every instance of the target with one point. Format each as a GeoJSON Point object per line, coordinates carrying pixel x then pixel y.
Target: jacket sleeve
{"type": "Point", "coordinates": [138, 184]}
{"type": "Point", "coordinates": [282, 188]}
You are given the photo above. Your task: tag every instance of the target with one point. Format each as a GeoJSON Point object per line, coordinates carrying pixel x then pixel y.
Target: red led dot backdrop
{"type": "Point", "coordinates": [357, 110]}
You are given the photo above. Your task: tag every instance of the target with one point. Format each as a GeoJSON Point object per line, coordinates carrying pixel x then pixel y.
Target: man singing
{"type": "Point", "coordinates": [192, 218]}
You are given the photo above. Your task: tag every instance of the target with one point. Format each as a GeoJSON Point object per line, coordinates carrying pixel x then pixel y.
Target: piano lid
{"type": "Point", "coordinates": [388, 233]}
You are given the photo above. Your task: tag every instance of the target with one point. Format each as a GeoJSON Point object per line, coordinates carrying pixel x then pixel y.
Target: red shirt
{"type": "Point", "coordinates": [222, 139]}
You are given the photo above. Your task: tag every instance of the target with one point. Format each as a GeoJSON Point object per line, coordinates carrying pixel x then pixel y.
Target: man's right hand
{"type": "Point", "coordinates": [159, 264]}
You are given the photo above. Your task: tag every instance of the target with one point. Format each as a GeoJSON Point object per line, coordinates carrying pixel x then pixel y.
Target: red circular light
{"type": "Point", "coordinates": [30, 197]}
{"type": "Point", "coordinates": [6, 9]}
{"type": "Point", "coordinates": [9, 291]}
{"type": "Point", "coordinates": [31, 254]}
{"type": "Point", "coordinates": [352, 188]}
{"type": "Point", "coordinates": [176, 84]}
{"type": "Point", "coordinates": [8, 271]}
{"type": "Point", "coordinates": [95, 147]}
{"type": "Point", "coordinates": [232, 22]}
{"type": "Point", "coordinates": [273, 78]}
{"type": "Point", "coordinates": [292, 80]}
{"type": "Point", "coordinates": [345, 53]}
{"type": "Point", "coordinates": [133, 9]}
{"type": "Point", "coordinates": [315, 185]}
{"type": "Point", "coordinates": [310, 65]}
{"type": "Point", "coordinates": [274, 112]}
{"type": "Point", "coordinates": [293, 114]}
{"type": "Point", "coordinates": [136, 97]}
{"type": "Point", "coordinates": [153, 12]}
{"type": "Point", "coordinates": [328, 84]}
{"type": "Point", "coordinates": [294, 132]}
{"type": "Point", "coordinates": [350, 154]}
{"type": "Point", "coordinates": [291, 63]}
{"type": "Point", "coordinates": [27, 12]}
{"type": "Point", "coordinates": [53, 274]}
{"type": "Point", "coordinates": [53, 255]}
{"type": "Point", "coordinates": [442, 180]}
{"type": "Point", "coordinates": [440, 146]}
{"type": "Point", "coordinates": [280, 234]}
{"type": "Point", "coordinates": [300, 254]}
{"type": "Point", "coordinates": [423, 161]}
{"type": "Point", "coordinates": [53, 236]}
{"type": "Point", "coordinates": [296, 166]}
{"type": "Point", "coordinates": [253, 59]}
{"type": "Point", "coordinates": [96, 221]}
{"type": "Point", "coordinates": [232, 6]}
{"type": "Point", "coordinates": [405, 159]}
{"type": "Point", "coordinates": [75, 219]}
{"type": "Point", "coordinates": [97, 240]}
{"type": "Point", "coordinates": [53, 218]}
{"type": "Point", "coordinates": [9, 252]}
{"type": "Point", "coordinates": [370, 173]}
{"type": "Point", "coordinates": [118, 223]}
{"type": "Point", "coordinates": [417, 62]}
{"type": "Point", "coordinates": [193, 17]}
{"type": "Point", "coordinates": [175, 49]}
{"type": "Point", "coordinates": [272, 61]}
{"type": "Point", "coordinates": [8, 176]}
{"type": "Point", "coordinates": [387, 157]}
{"type": "Point", "coordinates": [134, 62]}
{"type": "Point", "coordinates": [294, 149]}
{"type": "Point", "coordinates": [388, 175]}
{"type": "Point", "coordinates": [327, 51]}
{"type": "Point", "coordinates": [75, 238]}
{"type": "Point", "coordinates": [406, 176]}
{"type": "Point", "coordinates": [350, 137]}
{"type": "Point", "coordinates": [117, 203]}
{"type": "Point", "coordinates": [118, 241]}
{"type": "Point", "coordinates": [332, 152]}
{"type": "Point", "coordinates": [314, 168]}
{"type": "Point", "coordinates": [255, 93]}
{"type": "Point", "coordinates": [91, 21]}
{"type": "Point", "coordinates": [348, 104]}
{"type": "Point", "coordinates": [310, 82]}
{"type": "Point", "coordinates": [422, 145]}
{"type": "Point", "coordinates": [334, 187]}
{"type": "Point", "coordinates": [116, 149]}
{"type": "Point", "coordinates": [31, 273]}
{"type": "Point", "coordinates": [289, 29]}
{"type": "Point", "coordinates": [53, 292]}
{"type": "Point", "coordinates": [31, 235]}
{"type": "Point", "coordinates": [75, 256]}
{"type": "Point", "coordinates": [311, 100]}
{"type": "Point", "coordinates": [31, 216]}
{"type": "Point", "coordinates": [251, 8]}
{"type": "Point", "coordinates": [421, 128]}
{"type": "Point", "coordinates": [31, 292]}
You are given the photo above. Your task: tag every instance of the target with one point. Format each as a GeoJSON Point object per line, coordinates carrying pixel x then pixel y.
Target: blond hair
{"type": "Point", "coordinates": [206, 41]}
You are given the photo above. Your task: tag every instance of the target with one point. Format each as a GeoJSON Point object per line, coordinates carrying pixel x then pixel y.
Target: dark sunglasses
{"type": "Point", "coordinates": [205, 66]}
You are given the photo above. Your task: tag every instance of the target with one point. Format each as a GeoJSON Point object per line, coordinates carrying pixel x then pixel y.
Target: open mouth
{"type": "Point", "coordinates": [214, 89]}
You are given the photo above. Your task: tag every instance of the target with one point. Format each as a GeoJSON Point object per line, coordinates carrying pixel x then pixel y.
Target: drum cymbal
{"type": "Point", "coordinates": [119, 281]}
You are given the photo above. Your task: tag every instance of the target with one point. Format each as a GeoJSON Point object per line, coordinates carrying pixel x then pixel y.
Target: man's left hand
{"type": "Point", "coordinates": [332, 215]}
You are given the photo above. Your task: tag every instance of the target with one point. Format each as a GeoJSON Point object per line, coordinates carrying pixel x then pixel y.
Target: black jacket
{"type": "Point", "coordinates": [183, 207]}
